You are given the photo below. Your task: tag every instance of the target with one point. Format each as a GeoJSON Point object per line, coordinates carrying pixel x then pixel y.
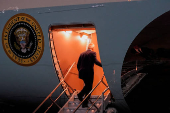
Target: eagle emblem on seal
{"type": "Point", "coordinates": [22, 39]}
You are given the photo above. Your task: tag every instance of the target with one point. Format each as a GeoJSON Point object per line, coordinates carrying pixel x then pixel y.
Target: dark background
{"type": "Point", "coordinates": [152, 94]}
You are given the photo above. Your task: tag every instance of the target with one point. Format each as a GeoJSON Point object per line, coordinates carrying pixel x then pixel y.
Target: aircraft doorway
{"type": "Point", "coordinates": [67, 42]}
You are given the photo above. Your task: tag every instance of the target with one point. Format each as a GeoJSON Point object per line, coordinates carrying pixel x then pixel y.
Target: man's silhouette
{"type": "Point", "coordinates": [85, 66]}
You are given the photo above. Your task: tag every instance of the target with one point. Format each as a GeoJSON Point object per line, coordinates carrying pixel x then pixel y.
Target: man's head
{"type": "Point", "coordinates": [91, 46]}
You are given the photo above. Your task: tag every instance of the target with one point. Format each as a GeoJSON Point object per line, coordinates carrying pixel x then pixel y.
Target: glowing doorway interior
{"type": "Point", "coordinates": [68, 41]}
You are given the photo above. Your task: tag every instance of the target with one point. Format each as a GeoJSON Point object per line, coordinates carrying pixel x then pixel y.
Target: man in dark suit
{"type": "Point", "coordinates": [85, 66]}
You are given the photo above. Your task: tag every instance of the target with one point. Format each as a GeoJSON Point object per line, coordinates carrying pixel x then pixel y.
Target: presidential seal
{"type": "Point", "coordinates": [23, 40]}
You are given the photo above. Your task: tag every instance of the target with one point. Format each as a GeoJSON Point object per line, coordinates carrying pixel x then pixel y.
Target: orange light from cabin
{"type": "Point", "coordinates": [71, 49]}
{"type": "Point", "coordinates": [68, 32]}
{"type": "Point", "coordinates": [84, 37]}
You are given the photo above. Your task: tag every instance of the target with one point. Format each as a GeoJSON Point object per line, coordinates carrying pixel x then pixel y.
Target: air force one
{"type": "Point", "coordinates": [40, 48]}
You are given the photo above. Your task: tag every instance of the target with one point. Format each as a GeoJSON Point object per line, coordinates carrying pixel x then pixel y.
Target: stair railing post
{"type": "Point", "coordinates": [102, 95]}
{"type": "Point", "coordinates": [102, 105]}
{"type": "Point", "coordinates": [88, 94]}
{"type": "Point", "coordinates": [49, 96]}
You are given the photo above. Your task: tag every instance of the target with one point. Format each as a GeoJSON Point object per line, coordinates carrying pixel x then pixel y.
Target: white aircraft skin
{"type": "Point", "coordinates": [117, 24]}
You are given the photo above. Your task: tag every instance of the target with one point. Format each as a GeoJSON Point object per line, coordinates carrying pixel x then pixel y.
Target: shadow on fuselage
{"type": "Point", "coordinates": [151, 95]}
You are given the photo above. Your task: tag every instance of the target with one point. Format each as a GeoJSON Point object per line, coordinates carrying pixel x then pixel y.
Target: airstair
{"type": "Point", "coordinates": [97, 103]}
{"type": "Point", "coordinates": [73, 103]}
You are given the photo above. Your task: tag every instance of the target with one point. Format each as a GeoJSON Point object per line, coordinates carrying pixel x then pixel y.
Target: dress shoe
{"type": "Point", "coordinates": [80, 98]}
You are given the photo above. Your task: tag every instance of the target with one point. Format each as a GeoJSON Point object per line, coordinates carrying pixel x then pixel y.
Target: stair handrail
{"type": "Point", "coordinates": [90, 93]}
{"type": "Point", "coordinates": [102, 105]}
{"type": "Point", "coordinates": [55, 89]}
{"type": "Point", "coordinates": [107, 88]}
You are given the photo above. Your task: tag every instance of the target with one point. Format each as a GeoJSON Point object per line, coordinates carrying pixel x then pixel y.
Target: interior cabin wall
{"type": "Point", "coordinates": [68, 47]}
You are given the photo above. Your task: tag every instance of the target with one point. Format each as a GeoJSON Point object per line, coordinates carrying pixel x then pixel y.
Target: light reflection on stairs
{"type": "Point", "coordinates": [73, 102]}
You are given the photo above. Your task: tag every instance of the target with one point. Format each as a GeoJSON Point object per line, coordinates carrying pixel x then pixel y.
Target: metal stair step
{"type": "Point", "coordinates": [92, 98]}
{"type": "Point", "coordinates": [76, 103]}
{"type": "Point", "coordinates": [80, 110]}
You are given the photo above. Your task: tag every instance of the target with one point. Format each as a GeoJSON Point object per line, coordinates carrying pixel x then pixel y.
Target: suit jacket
{"type": "Point", "coordinates": [86, 63]}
